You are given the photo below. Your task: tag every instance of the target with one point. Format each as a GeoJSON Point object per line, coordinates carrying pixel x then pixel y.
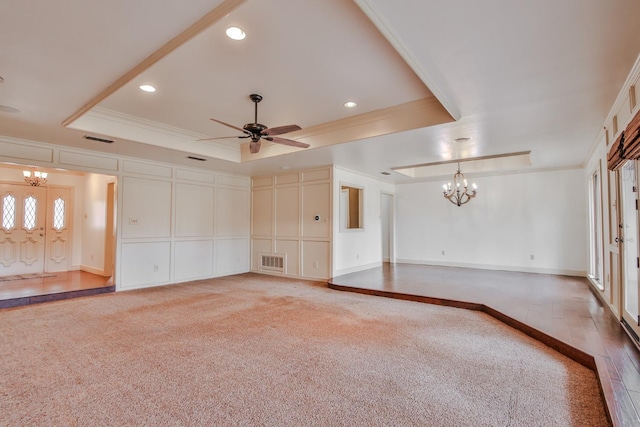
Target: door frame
{"type": "Point", "coordinates": [110, 230]}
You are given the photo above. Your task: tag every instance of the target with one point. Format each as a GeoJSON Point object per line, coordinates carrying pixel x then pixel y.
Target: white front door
{"type": "Point", "coordinates": [23, 212]}
{"type": "Point", "coordinates": [58, 229]}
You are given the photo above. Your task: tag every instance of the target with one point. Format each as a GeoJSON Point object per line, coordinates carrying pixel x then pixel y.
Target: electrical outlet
{"type": "Point", "coordinates": [531, 257]}
{"type": "Point", "coordinates": [133, 221]}
{"type": "Point", "coordinates": [442, 252]}
{"type": "Point", "coordinates": [155, 268]}
{"type": "Point", "coordinates": [315, 264]}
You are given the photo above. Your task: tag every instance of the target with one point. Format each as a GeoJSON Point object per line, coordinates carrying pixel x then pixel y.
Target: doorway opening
{"type": "Point", "coordinates": [54, 237]}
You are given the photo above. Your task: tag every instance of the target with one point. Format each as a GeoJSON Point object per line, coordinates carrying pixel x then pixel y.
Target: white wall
{"type": "Point", "coordinates": [513, 217]}
{"type": "Point", "coordinates": [356, 250]}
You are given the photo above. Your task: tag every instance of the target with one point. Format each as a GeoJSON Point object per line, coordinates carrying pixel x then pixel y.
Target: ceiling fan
{"type": "Point", "coordinates": [257, 131]}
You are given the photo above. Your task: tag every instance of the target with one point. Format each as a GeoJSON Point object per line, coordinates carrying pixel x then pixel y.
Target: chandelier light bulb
{"type": "Point", "coordinates": [35, 178]}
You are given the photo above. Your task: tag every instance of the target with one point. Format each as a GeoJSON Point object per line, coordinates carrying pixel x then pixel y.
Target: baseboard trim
{"type": "Point", "coordinates": [92, 270]}
{"type": "Point", "coordinates": [521, 269]}
{"type": "Point", "coordinates": [355, 269]}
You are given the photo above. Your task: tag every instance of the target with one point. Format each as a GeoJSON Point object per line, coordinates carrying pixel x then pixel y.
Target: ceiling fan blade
{"type": "Point", "coordinates": [290, 142]}
{"type": "Point", "coordinates": [228, 125]}
{"type": "Point", "coordinates": [281, 129]}
{"type": "Point", "coordinates": [254, 146]}
{"type": "Point", "coordinates": [222, 137]}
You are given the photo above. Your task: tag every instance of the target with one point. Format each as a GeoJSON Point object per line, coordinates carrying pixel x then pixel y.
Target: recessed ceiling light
{"type": "Point", "coordinates": [7, 109]}
{"type": "Point", "coordinates": [462, 139]}
{"type": "Point", "coordinates": [236, 33]}
{"type": "Point", "coordinates": [350, 104]}
{"type": "Point", "coordinates": [147, 88]}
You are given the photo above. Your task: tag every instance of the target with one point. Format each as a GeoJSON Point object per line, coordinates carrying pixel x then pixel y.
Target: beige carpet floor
{"type": "Point", "coordinates": [253, 350]}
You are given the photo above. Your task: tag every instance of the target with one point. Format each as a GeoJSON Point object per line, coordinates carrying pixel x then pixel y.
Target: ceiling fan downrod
{"type": "Point", "coordinates": [255, 98]}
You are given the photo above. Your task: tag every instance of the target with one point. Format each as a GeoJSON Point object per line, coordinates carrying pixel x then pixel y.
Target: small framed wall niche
{"type": "Point", "coordinates": [351, 207]}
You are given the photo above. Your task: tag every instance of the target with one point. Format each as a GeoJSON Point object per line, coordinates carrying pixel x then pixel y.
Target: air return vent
{"type": "Point", "coordinates": [95, 138]}
{"type": "Point", "coordinates": [272, 262]}
{"type": "Point", "coordinates": [200, 159]}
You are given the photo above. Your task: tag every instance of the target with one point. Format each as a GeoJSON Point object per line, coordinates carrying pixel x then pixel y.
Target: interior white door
{"type": "Point", "coordinates": [58, 229]}
{"type": "Point", "coordinates": [22, 230]}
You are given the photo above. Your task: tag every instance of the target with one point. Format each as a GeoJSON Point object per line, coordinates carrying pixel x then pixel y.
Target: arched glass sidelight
{"type": "Point", "coordinates": [30, 212]}
{"type": "Point", "coordinates": [8, 212]}
{"type": "Point", "coordinates": [58, 213]}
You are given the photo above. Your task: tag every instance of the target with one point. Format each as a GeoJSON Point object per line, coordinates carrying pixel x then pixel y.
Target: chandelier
{"type": "Point", "coordinates": [35, 178]}
{"type": "Point", "coordinates": [458, 193]}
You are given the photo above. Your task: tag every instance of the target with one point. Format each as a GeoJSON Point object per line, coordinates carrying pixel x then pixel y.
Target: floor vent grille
{"type": "Point", "coordinates": [272, 262]}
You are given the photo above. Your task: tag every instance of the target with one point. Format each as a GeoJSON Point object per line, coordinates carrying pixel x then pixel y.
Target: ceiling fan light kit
{"type": "Point", "coordinates": [257, 131]}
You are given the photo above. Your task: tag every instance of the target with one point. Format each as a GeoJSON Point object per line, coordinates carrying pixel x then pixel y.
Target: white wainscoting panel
{"type": "Point", "coordinates": [315, 259]}
{"type": "Point", "coordinates": [232, 256]}
{"type": "Point", "coordinates": [316, 201]}
{"type": "Point", "coordinates": [88, 161]}
{"type": "Point", "coordinates": [194, 210]}
{"type": "Point", "coordinates": [232, 212]}
{"type": "Point", "coordinates": [25, 152]}
{"type": "Point", "coordinates": [191, 175]}
{"type": "Point", "coordinates": [287, 212]}
{"type": "Point", "coordinates": [193, 260]}
{"type": "Point", "coordinates": [291, 178]}
{"type": "Point", "coordinates": [146, 169]}
{"type": "Point", "coordinates": [145, 264]}
{"type": "Point", "coordinates": [316, 175]}
{"type": "Point", "coordinates": [234, 181]}
{"type": "Point", "coordinates": [262, 219]}
{"type": "Point", "coordinates": [146, 208]}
